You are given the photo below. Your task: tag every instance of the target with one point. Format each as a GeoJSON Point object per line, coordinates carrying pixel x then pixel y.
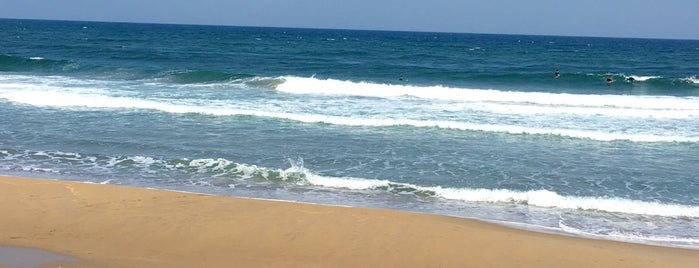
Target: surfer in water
{"type": "Point", "coordinates": [557, 74]}
{"type": "Point", "coordinates": [610, 80]}
{"type": "Point", "coordinates": [630, 79]}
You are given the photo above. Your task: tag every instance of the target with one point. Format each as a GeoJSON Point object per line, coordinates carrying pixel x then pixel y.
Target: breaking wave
{"type": "Point", "coordinates": [601, 117]}
{"type": "Point", "coordinates": [227, 173]}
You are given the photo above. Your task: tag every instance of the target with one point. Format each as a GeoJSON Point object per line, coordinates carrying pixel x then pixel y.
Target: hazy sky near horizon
{"type": "Point", "coordinates": [615, 18]}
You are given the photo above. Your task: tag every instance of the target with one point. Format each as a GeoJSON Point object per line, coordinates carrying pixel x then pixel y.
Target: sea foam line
{"type": "Point", "coordinates": [97, 101]}
{"type": "Point", "coordinates": [502, 102]}
{"type": "Point", "coordinates": [52, 94]}
{"type": "Point", "coordinates": [635, 237]}
{"type": "Point", "coordinates": [539, 198]}
{"type": "Point", "coordinates": [301, 85]}
{"type": "Point", "coordinates": [297, 174]}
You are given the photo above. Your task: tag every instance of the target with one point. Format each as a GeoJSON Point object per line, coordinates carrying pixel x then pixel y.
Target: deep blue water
{"type": "Point", "coordinates": [469, 125]}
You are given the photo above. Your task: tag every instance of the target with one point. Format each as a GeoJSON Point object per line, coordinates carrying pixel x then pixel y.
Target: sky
{"type": "Point", "coordinates": [675, 19]}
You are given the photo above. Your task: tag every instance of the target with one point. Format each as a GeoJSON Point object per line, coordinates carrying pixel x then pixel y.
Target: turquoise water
{"type": "Point", "coordinates": [469, 125]}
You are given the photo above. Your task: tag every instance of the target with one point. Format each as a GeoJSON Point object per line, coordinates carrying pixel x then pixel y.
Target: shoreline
{"type": "Point", "coordinates": [122, 226]}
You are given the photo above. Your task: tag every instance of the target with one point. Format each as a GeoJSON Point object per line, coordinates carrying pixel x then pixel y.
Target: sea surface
{"type": "Point", "coordinates": [468, 125]}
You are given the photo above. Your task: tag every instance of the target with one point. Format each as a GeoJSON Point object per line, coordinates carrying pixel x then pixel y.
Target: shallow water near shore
{"type": "Point", "coordinates": [30, 258]}
{"type": "Point", "coordinates": [467, 125]}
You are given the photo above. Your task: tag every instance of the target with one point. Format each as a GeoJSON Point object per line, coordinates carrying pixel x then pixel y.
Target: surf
{"type": "Point", "coordinates": [226, 172]}
{"type": "Point", "coordinates": [300, 85]}
{"type": "Point", "coordinates": [377, 106]}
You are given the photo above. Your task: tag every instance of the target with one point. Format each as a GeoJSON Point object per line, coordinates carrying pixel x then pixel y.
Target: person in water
{"type": "Point", "coordinates": [557, 74]}
{"type": "Point", "coordinates": [630, 79]}
{"type": "Point", "coordinates": [610, 79]}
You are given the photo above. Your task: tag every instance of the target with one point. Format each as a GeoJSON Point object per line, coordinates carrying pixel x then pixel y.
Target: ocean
{"type": "Point", "coordinates": [467, 125]}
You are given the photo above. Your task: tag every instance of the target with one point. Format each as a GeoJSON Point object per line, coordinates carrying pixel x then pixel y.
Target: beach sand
{"type": "Point", "coordinates": [116, 226]}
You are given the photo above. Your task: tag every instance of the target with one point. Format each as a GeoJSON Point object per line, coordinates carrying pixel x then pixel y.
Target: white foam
{"type": "Point", "coordinates": [144, 160]}
{"type": "Point", "coordinates": [545, 198]}
{"type": "Point", "coordinates": [346, 182]}
{"type": "Point", "coordinates": [505, 112]}
{"type": "Point", "coordinates": [510, 129]}
{"type": "Point", "coordinates": [303, 176]}
{"type": "Point", "coordinates": [62, 99]}
{"type": "Point", "coordinates": [299, 85]}
{"type": "Point", "coordinates": [138, 160]}
{"type": "Point", "coordinates": [539, 198]}
{"type": "Point", "coordinates": [529, 109]}
{"type": "Point", "coordinates": [634, 237]}
{"type": "Point", "coordinates": [642, 78]}
{"type": "Point", "coordinates": [219, 164]}
{"type": "Point", "coordinates": [39, 169]}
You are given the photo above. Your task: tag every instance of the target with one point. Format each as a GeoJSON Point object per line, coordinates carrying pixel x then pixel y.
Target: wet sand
{"type": "Point", "coordinates": [115, 226]}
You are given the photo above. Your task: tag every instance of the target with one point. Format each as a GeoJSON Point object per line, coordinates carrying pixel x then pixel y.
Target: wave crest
{"type": "Point", "coordinates": [299, 175]}
{"type": "Point", "coordinates": [601, 117]}
{"type": "Point", "coordinates": [300, 85]}
{"type": "Point", "coordinates": [224, 172]}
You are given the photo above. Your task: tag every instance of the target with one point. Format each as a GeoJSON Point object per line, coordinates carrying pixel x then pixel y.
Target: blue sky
{"type": "Point", "coordinates": [616, 18]}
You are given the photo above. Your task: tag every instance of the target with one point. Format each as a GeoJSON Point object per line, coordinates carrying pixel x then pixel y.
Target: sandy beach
{"type": "Point", "coordinates": [116, 226]}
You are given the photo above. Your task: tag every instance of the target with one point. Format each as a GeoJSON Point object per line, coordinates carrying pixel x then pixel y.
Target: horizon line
{"type": "Point", "coordinates": [344, 29]}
